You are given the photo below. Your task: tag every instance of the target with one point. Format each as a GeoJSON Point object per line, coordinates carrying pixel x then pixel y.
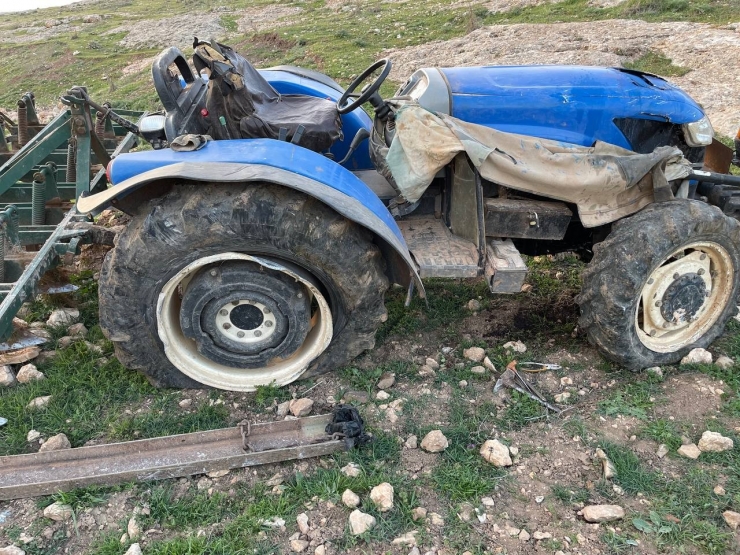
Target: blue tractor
{"type": "Point", "coordinates": [273, 214]}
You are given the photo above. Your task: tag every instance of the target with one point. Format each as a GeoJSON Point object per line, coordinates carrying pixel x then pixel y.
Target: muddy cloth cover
{"type": "Point", "coordinates": [605, 181]}
{"type": "Point", "coordinates": [253, 109]}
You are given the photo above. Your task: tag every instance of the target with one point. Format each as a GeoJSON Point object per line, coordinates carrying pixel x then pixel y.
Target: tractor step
{"type": "Point", "coordinates": [505, 270]}
{"type": "Point", "coordinates": [246, 445]}
{"type": "Point", "coordinates": [438, 252]}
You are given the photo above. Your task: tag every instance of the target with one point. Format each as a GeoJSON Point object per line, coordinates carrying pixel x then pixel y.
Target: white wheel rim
{"type": "Point", "coordinates": [182, 351]}
{"type": "Point", "coordinates": [705, 263]}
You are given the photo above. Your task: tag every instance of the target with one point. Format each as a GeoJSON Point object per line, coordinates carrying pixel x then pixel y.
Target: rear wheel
{"type": "Point", "coordinates": [663, 282]}
{"type": "Point", "coordinates": [236, 286]}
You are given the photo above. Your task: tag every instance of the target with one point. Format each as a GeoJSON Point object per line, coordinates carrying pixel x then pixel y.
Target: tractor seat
{"type": "Point", "coordinates": [252, 109]}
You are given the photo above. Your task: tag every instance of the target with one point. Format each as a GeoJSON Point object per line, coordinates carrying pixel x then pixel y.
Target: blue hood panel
{"type": "Point", "coordinates": [576, 104]}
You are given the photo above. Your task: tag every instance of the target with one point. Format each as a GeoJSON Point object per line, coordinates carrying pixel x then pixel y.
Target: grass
{"type": "Point", "coordinates": [658, 64]}
{"type": "Point", "coordinates": [634, 399]}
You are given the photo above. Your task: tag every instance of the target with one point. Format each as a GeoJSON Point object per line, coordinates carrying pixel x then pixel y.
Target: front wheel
{"type": "Point", "coordinates": [237, 286]}
{"type": "Point", "coordinates": [663, 282]}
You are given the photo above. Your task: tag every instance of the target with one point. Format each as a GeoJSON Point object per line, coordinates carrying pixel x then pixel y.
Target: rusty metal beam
{"type": "Point", "coordinates": [165, 457]}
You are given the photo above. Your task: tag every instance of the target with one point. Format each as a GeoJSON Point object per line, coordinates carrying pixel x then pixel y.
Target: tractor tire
{"type": "Point", "coordinates": [663, 282]}
{"type": "Point", "coordinates": [201, 272]}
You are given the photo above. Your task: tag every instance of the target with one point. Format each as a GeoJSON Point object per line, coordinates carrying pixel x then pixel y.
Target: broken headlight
{"type": "Point", "coordinates": [698, 133]}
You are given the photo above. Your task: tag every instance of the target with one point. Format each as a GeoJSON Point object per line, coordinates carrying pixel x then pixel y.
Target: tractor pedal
{"type": "Point", "coordinates": [505, 270]}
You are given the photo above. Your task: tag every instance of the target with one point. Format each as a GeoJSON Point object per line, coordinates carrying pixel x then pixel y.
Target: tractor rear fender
{"type": "Point", "coordinates": [263, 160]}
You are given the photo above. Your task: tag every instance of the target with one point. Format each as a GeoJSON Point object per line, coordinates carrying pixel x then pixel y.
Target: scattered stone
{"type": "Point", "coordinates": [33, 435]}
{"type": "Point", "coordinates": [466, 512]}
{"type": "Point", "coordinates": [218, 473]}
{"type": "Point", "coordinates": [352, 470]}
{"type": "Point", "coordinates": [63, 317]}
{"type": "Point", "coordinates": [425, 371]}
{"type": "Point", "coordinates": [689, 451]}
{"type": "Point", "coordinates": [419, 513]}
{"type": "Point", "coordinates": [350, 499]}
{"type": "Point", "coordinates": [473, 305]}
{"type": "Point", "coordinates": [607, 466]}
{"type": "Point", "coordinates": [434, 442]}
{"type": "Point", "coordinates": [408, 539]}
{"type": "Point", "coordinates": [298, 545]}
{"type": "Point", "coordinates": [77, 330]}
{"type": "Point", "coordinates": [447, 350]}
{"type": "Point", "coordinates": [562, 397]}
{"type": "Point", "coordinates": [7, 378]}
{"type": "Point", "coordinates": [488, 501]}
{"type": "Point", "coordinates": [29, 373]}
{"type": "Point", "coordinates": [602, 513]}
{"type": "Point", "coordinates": [133, 528]}
{"type": "Point", "coordinates": [524, 535]}
{"type": "Point", "coordinates": [697, 356]}
{"type": "Point", "coordinates": [712, 442]}
{"type": "Point", "coordinates": [436, 519]}
{"type": "Point", "coordinates": [134, 549]}
{"type": "Point", "coordinates": [283, 408]}
{"type": "Point", "coordinates": [92, 18]}
{"type": "Point", "coordinates": [58, 511]}
{"type": "Point", "coordinates": [382, 496]}
{"type": "Point", "coordinates": [732, 519]}
{"type": "Point", "coordinates": [655, 371]}
{"type": "Point", "coordinates": [542, 535]}
{"type": "Point", "coordinates": [56, 443]}
{"type": "Point", "coordinates": [496, 453]}
{"type": "Point", "coordinates": [539, 499]}
{"type": "Point", "coordinates": [516, 346]}
{"type": "Point", "coordinates": [415, 551]}
{"type": "Point", "coordinates": [185, 403]}
{"type": "Point", "coordinates": [386, 381]}
{"type": "Point", "coordinates": [488, 364]}
{"type": "Point", "coordinates": [662, 450]}
{"type": "Point", "coordinates": [320, 550]}
{"type": "Point", "coordinates": [382, 395]}
{"type": "Point", "coordinates": [725, 362]}
{"type": "Point", "coordinates": [478, 370]}
{"type": "Point", "coordinates": [565, 380]}
{"type": "Point", "coordinates": [274, 522]}
{"type": "Point", "coordinates": [463, 383]}
{"type": "Point", "coordinates": [412, 442]}
{"type": "Point", "coordinates": [39, 402]}
{"type": "Point", "coordinates": [11, 550]}
{"type": "Point", "coordinates": [513, 450]}
{"type": "Point", "coordinates": [301, 407]}
{"type": "Point", "coordinates": [19, 356]}
{"type": "Point", "coordinates": [66, 341]}
{"type": "Point", "coordinates": [360, 397]}
{"type": "Point", "coordinates": [433, 364]}
{"type": "Point", "coordinates": [476, 354]}
{"type": "Point", "coordinates": [719, 490]}
{"type": "Point", "coordinates": [360, 522]}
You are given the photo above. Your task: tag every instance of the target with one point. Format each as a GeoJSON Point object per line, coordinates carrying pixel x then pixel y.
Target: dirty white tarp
{"type": "Point", "coordinates": [605, 181]}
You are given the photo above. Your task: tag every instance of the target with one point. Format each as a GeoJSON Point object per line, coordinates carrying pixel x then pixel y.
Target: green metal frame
{"type": "Point", "coordinates": [36, 174]}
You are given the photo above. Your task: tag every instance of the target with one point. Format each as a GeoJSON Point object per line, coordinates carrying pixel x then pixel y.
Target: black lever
{"type": "Point", "coordinates": [360, 136]}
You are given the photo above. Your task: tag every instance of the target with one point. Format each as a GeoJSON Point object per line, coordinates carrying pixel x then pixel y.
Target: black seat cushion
{"type": "Point", "coordinates": [253, 109]}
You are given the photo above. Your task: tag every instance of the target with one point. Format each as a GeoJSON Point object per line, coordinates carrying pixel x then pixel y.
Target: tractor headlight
{"type": "Point", "coordinates": [698, 133]}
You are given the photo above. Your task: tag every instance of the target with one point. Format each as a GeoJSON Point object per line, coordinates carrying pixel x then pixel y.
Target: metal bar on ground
{"type": "Point", "coordinates": [165, 457]}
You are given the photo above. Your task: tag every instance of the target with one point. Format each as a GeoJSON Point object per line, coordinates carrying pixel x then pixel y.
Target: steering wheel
{"type": "Point", "coordinates": [369, 92]}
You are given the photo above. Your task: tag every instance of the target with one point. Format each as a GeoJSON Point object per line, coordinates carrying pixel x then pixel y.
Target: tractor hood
{"type": "Point", "coordinates": [575, 104]}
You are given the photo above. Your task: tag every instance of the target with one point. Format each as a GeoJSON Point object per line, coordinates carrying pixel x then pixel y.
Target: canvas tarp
{"type": "Point", "coordinates": [605, 182]}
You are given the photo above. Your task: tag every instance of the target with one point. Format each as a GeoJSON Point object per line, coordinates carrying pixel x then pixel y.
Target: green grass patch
{"type": "Point", "coordinates": [634, 399]}
{"type": "Point", "coordinates": [658, 64]}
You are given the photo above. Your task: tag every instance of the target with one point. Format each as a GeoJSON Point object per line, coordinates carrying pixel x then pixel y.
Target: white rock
{"type": "Point", "coordinates": [565, 381]}
{"type": "Point", "coordinates": [713, 442]}
{"type": "Point", "coordinates": [725, 362]}
{"type": "Point", "coordinates": [732, 519]}
{"type": "Point", "coordinates": [185, 403]}
{"type": "Point", "coordinates": [58, 511]}
{"type": "Point", "coordinates": [476, 354]}
{"type": "Point", "coordinates": [473, 305]}
{"type": "Point", "coordinates": [352, 470]}
{"type": "Point", "coordinates": [301, 407]}
{"type": "Point", "coordinates": [360, 522]}
{"type": "Point", "coordinates": [418, 513]}
{"type": "Point", "coordinates": [11, 550]}
{"type": "Point", "coordinates": [524, 535]}
{"type": "Point", "coordinates": [382, 395]}
{"type": "Point", "coordinates": [697, 356]}
{"type": "Point", "coordinates": [434, 442]}
{"type": "Point", "coordinates": [218, 473]}
{"type": "Point", "coordinates": [350, 499]}
{"type": "Point", "coordinates": [426, 371]}
{"type": "Point", "coordinates": [77, 330]}
{"type": "Point", "coordinates": [478, 370]}
{"type": "Point", "coordinates": [386, 381]}
{"type": "Point", "coordinates": [133, 528]}
{"type": "Point", "coordinates": [516, 346]}
{"type": "Point", "coordinates": [433, 364]}
{"type": "Point", "coordinates": [719, 490]}
{"type": "Point", "coordinates": [689, 451]}
{"type": "Point", "coordinates": [412, 442]}
{"type": "Point", "coordinates": [463, 383]}
{"type": "Point", "coordinates": [55, 443]}
{"type": "Point", "coordinates": [32, 435]}
{"type": "Point", "coordinates": [29, 373]}
{"type": "Point", "coordinates": [63, 317]}
{"type": "Point", "coordinates": [541, 535]}
{"type": "Point", "coordinates": [274, 522]}
{"type": "Point", "coordinates": [496, 453]}
{"type": "Point", "coordinates": [302, 521]}
{"type": "Point", "coordinates": [655, 371]}
{"type": "Point", "coordinates": [283, 408]}
{"type": "Point", "coordinates": [436, 519]}
{"type": "Point", "coordinates": [562, 397]}
{"type": "Point", "coordinates": [408, 539]}
{"type": "Point", "coordinates": [320, 550]}
{"type": "Point", "coordinates": [602, 513]}
{"type": "Point", "coordinates": [134, 549]}
{"type": "Point", "coordinates": [488, 501]}
{"type": "Point", "coordinates": [298, 545]}
{"type": "Point", "coordinates": [488, 364]}
{"type": "Point", "coordinates": [7, 378]}
{"type": "Point", "coordinates": [39, 402]}
{"type": "Point", "coordinates": [415, 551]}
{"type": "Point", "coordinates": [382, 496]}
{"type": "Point", "coordinates": [662, 450]}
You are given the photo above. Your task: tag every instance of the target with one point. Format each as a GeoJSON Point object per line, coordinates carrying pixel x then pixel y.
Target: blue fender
{"type": "Point", "coordinates": [266, 160]}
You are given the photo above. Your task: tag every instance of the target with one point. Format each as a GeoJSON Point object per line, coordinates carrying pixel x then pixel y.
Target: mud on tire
{"type": "Point", "coordinates": [611, 299]}
{"type": "Point", "coordinates": [197, 220]}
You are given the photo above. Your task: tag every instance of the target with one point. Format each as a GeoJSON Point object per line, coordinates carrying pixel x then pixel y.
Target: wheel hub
{"type": "Point", "coordinates": [246, 321]}
{"type": "Point", "coordinates": [684, 298]}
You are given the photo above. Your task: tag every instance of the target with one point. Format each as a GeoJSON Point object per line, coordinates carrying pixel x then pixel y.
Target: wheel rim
{"type": "Point", "coordinates": [246, 337]}
{"type": "Point", "coordinates": [684, 296]}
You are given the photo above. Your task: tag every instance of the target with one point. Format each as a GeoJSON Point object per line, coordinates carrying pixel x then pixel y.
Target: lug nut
{"type": "Point", "coordinates": [240, 334]}
{"type": "Point", "coordinates": [258, 333]}
{"type": "Point", "coordinates": [235, 303]}
{"type": "Point", "coordinates": [227, 325]}
{"type": "Point", "coordinates": [213, 273]}
{"type": "Point", "coordinates": [700, 272]}
{"type": "Point", "coordinates": [268, 324]}
{"type": "Point", "coordinates": [652, 333]}
{"type": "Point", "coordinates": [300, 295]}
{"type": "Point", "coordinates": [658, 303]}
{"type": "Point", "coordinates": [651, 281]}
{"type": "Point", "coordinates": [266, 310]}
{"type": "Point", "coordinates": [676, 276]}
{"type": "Point", "coordinates": [223, 312]}
{"type": "Point", "coordinates": [703, 256]}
